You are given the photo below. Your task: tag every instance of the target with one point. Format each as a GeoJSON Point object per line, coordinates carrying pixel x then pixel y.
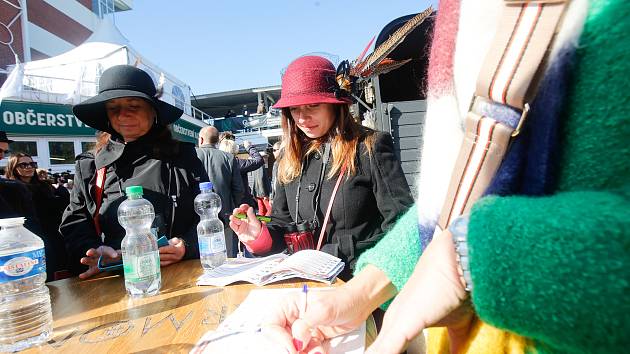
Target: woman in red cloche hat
{"type": "Point", "coordinates": [330, 163]}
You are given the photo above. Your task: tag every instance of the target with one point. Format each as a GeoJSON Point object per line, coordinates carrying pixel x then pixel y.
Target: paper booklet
{"type": "Point", "coordinates": [240, 332]}
{"type": "Point", "coordinates": [307, 264]}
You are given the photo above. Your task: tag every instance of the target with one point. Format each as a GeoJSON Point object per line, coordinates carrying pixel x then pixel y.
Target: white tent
{"type": "Point", "coordinates": [73, 76]}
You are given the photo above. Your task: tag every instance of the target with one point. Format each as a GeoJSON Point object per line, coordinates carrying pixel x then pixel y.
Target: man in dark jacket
{"type": "Point", "coordinates": [225, 175]}
{"type": "Point", "coordinates": [249, 165]}
{"type": "Point", "coordinates": [277, 153]}
{"type": "Point", "coordinates": [261, 188]}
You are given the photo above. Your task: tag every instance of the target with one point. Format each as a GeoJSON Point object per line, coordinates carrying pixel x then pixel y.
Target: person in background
{"type": "Point", "coordinates": [42, 174]}
{"type": "Point", "coordinates": [47, 206]}
{"type": "Point", "coordinates": [261, 188]}
{"type": "Point", "coordinates": [224, 173]}
{"type": "Point", "coordinates": [15, 197]}
{"type": "Point", "coordinates": [322, 142]}
{"type": "Point", "coordinates": [277, 153]}
{"type": "Point", "coordinates": [138, 150]}
{"type": "Point", "coordinates": [4, 144]}
{"type": "Point", "coordinates": [228, 144]}
{"type": "Point", "coordinates": [61, 191]}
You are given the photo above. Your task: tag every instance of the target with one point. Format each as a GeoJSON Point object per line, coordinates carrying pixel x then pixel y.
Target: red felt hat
{"type": "Point", "coordinates": [310, 79]}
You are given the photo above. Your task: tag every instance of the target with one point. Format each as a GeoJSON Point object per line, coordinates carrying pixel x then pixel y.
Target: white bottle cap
{"type": "Point", "coordinates": [12, 222]}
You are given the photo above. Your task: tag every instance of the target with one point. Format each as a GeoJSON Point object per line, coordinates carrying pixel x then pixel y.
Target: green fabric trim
{"type": "Point", "coordinates": [595, 150]}
{"type": "Point", "coordinates": [397, 253]}
{"type": "Point", "coordinates": [554, 269]}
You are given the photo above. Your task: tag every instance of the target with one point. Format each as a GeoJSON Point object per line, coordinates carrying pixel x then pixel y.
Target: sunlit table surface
{"type": "Point", "coordinates": [96, 315]}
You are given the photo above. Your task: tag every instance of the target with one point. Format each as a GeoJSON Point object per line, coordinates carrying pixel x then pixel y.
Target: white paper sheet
{"type": "Point", "coordinates": [240, 332]}
{"type": "Point", "coordinates": [307, 264]}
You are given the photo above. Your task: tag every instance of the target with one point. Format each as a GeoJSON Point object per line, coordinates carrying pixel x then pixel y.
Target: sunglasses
{"type": "Point", "coordinates": [27, 164]}
{"type": "Point", "coordinates": [5, 151]}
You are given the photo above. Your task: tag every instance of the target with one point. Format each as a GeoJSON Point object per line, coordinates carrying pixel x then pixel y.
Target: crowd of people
{"type": "Point", "coordinates": [539, 263]}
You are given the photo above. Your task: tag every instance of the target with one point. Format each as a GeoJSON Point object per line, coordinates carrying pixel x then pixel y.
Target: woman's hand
{"type": "Point", "coordinates": [248, 229]}
{"type": "Point", "coordinates": [301, 327]}
{"type": "Point", "coordinates": [91, 259]}
{"type": "Point", "coordinates": [172, 253]}
{"type": "Point", "coordinates": [433, 296]}
{"type": "Point", "coordinates": [328, 314]}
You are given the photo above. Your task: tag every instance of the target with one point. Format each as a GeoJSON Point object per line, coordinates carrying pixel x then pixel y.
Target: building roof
{"type": "Point", "coordinates": [219, 103]}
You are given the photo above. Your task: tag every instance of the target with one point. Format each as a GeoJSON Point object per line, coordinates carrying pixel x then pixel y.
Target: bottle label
{"type": "Point", "coordinates": [22, 265]}
{"type": "Point", "coordinates": [212, 244]}
{"type": "Point", "coordinates": [141, 268]}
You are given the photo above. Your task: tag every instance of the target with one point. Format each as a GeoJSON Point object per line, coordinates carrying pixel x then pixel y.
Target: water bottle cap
{"type": "Point", "coordinates": [206, 186]}
{"type": "Point", "coordinates": [134, 191]}
{"type": "Point", "coordinates": [12, 222]}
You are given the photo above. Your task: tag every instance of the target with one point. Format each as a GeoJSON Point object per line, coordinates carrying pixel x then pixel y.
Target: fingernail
{"type": "Point", "coordinates": [318, 352]}
{"type": "Point", "coordinates": [297, 344]}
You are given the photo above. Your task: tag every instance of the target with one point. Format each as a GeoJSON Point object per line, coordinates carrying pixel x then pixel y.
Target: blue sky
{"type": "Point", "coordinates": [222, 45]}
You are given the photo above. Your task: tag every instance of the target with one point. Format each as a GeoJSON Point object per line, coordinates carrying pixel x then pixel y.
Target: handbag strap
{"type": "Point", "coordinates": [509, 76]}
{"type": "Point", "coordinates": [100, 183]}
{"type": "Point", "coordinates": [322, 231]}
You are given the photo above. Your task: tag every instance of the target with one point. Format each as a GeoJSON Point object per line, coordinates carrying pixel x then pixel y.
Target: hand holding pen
{"type": "Point", "coordinates": [247, 229]}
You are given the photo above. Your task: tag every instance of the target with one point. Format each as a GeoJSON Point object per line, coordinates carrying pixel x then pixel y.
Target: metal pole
{"type": "Point", "coordinates": [26, 40]}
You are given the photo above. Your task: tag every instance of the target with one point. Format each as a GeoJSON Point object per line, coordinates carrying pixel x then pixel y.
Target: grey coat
{"type": "Point", "coordinates": [225, 174]}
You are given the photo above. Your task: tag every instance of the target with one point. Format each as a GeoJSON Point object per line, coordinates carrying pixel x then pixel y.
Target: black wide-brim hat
{"type": "Point", "coordinates": [123, 81]}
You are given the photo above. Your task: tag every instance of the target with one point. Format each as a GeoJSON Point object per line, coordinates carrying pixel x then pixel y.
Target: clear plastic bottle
{"type": "Point", "coordinates": [25, 313]}
{"type": "Point", "coordinates": [210, 230]}
{"type": "Point", "coordinates": [141, 258]}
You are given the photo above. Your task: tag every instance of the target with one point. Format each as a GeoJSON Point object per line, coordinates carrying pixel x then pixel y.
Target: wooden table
{"type": "Point", "coordinates": [96, 316]}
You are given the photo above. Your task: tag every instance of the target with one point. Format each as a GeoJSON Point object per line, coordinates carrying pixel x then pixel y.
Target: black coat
{"type": "Point", "coordinates": [366, 206]}
{"type": "Point", "coordinates": [262, 184]}
{"type": "Point", "coordinates": [246, 166]}
{"type": "Point", "coordinates": [166, 170]}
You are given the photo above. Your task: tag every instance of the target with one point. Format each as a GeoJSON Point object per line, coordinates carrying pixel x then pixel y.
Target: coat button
{"type": "Point", "coordinates": [317, 156]}
{"type": "Point", "coordinates": [311, 187]}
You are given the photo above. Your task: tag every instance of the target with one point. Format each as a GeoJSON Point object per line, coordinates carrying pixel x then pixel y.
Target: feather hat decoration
{"type": "Point", "coordinates": [348, 74]}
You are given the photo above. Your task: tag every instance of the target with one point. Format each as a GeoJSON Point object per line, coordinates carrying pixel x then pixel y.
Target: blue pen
{"type": "Point", "coordinates": [304, 291]}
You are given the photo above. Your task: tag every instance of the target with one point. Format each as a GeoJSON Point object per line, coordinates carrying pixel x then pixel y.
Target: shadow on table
{"type": "Point", "coordinates": [169, 348]}
{"type": "Point", "coordinates": [70, 294]}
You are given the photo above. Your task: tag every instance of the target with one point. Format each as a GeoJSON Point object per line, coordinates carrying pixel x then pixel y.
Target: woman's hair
{"type": "Point", "coordinates": [344, 135]}
{"type": "Point", "coordinates": [12, 167]}
{"type": "Point", "coordinates": [102, 138]}
{"type": "Point", "coordinates": [228, 146]}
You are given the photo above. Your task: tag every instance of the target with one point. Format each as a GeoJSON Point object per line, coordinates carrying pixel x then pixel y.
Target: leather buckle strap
{"type": "Point", "coordinates": [521, 121]}
{"type": "Point", "coordinates": [517, 58]}
{"type": "Point", "coordinates": [485, 142]}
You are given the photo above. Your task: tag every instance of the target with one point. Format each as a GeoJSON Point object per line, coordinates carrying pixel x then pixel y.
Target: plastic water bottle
{"type": "Point", "coordinates": [25, 313]}
{"type": "Point", "coordinates": [210, 231]}
{"type": "Point", "coordinates": [141, 258]}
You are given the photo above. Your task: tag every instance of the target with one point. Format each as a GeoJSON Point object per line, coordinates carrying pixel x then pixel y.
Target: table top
{"type": "Point", "coordinates": [96, 316]}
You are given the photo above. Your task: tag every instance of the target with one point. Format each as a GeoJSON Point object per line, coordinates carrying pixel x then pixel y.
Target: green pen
{"type": "Point", "coordinates": [259, 217]}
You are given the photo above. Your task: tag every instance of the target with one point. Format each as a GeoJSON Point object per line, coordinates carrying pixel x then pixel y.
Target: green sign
{"type": "Point", "coordinates": [34, 118]}
{"type": "Point", "coordinates": [185, 131]}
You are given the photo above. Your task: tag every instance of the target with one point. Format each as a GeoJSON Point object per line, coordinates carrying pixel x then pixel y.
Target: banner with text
{"type": "Point", "coordinates": [35, 118]}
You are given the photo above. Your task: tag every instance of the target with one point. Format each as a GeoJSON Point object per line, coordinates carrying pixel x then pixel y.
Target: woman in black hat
{"type": "Point", "coordinates": [140, 151]}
